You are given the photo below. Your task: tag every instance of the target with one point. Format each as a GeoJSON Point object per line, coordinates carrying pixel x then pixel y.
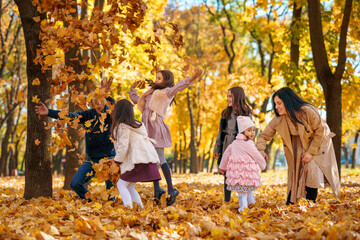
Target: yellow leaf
{"type": "Point", "coordinates": [87, 124]}
{"type": "Point", "coordinates": [20, 96]}
{"type": "Point", "coordinates": [36, 81]}
{"type": "Point", "coordinates": [37, 142]}
{"type": "Point", "coordinates": [50, 60]}
{"type": "Point", "coordinates": [35, 99]}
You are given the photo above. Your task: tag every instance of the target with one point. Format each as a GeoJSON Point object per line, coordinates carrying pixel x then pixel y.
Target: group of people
{"type": "Point", "coordinates": [138, 147]}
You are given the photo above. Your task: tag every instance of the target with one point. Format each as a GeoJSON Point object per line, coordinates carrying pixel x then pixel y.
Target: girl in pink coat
{"type": "Point", "coordinates": [241, 162]}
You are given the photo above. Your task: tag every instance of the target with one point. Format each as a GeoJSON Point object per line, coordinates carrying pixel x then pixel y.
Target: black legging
{"type": "Point", "coordinates": [311, 194]}
{"type": "Point", "coordinates": [227, 193]}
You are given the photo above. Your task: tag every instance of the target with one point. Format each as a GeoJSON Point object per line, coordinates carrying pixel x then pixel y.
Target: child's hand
{"type": "Point", "coordinates": [138, 84]}
{"type": "Point", "coordinates": [196, 75]}
{"type": "Point", "coordinates": [107, 84]}
{"type": "Point", "coordinates": [222, 171]}
{"type": "Point", "coordinates": [41, 109]}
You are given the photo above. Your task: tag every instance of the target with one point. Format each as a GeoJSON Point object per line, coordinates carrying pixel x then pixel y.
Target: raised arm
{"type": "Point", "coordinates": [134, 97]}
{"type": "Point", "coordinates": [183, 84]}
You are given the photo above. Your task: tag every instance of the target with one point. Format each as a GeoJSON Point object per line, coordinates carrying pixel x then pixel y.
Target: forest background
{"type": "Point", "coordinates": [58, 53]}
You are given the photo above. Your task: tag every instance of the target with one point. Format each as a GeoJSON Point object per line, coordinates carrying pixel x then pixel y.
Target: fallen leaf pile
{"type": "Point", "coordinates": [199, 212]}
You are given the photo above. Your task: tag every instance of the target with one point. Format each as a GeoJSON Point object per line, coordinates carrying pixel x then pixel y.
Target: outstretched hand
{"type": "Point", "coordinates": [41, 109]}
{"type": "Point", "coordinates": [107, 84]}
{"type": "Point", "coordinates": [196, 75]}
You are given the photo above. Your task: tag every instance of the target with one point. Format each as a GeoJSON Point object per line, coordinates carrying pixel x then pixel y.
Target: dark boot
{"type": "Point", "coordinates": [311, 193]}
{"type": "Point", "coordinates": [227, 193]}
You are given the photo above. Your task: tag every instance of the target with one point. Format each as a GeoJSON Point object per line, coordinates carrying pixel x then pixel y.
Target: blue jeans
{"type": "Point", "coordinates": [81, 177]}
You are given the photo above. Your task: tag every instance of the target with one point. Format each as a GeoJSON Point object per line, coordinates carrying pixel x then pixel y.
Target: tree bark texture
{"type": "Point", "coordinates": [38, 178]}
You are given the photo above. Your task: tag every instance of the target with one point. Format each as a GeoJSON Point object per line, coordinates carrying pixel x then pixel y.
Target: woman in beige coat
{"type": "Point", "coordinates": [307, 143]}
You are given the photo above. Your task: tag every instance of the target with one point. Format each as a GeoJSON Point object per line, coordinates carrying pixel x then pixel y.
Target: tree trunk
{"type": "Point", "coordinates": [345, 151]}
{"type": "Point", "coordinates": [268, 152]}
{"type": "Point", "coordinates": [176, 152]}
{"type": "Point", "coordinates": [4, 145]}
{"type": "Point", "coordinates": [72, 60]}
{"type": "Point", "coordinates": [38, 178]}
{"type": "Point", "coordinates": [353, 155]}
{"type": "Point", "coordinates": [330, 82]}
{"type": "Point", "coordinates": [193, 158]}
{"type": "Point", "coordinates": [275, 157]}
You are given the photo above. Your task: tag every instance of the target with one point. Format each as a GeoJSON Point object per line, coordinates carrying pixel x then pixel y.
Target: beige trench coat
{"type": "Point", "coordinates": [315, 137]}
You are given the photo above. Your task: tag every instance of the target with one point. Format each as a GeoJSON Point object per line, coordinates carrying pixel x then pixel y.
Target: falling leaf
{"type": "Point", "coordinates": [35, 99]}
{"type": "Point", "coordinates": [37, 142]}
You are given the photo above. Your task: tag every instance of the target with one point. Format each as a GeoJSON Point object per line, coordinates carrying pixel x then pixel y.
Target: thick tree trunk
{"type": "Point", "coordinates": [334, 116]}
{"type": "Point", "coordinates": [38, 178]}
{"type": "Point", "coordinates": [353, 155]}
{"type": "Point", "coordinates": [330, 82]}
{"type": "Point", "coordinates": [72, 60]}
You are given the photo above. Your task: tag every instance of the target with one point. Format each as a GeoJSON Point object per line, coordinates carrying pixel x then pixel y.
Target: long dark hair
{"type": "Point", "coordinates": [239, 105]}
{"type": "Point", "coordinates": [123, 112]}
{"type": "Point", "coordinates": [292, 102]}
{"type": "Point", "coordinates": [168, 81]}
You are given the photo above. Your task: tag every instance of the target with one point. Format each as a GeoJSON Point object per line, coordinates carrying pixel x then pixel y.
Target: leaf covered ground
{"type": "Point", "coordinates": [199, 212]}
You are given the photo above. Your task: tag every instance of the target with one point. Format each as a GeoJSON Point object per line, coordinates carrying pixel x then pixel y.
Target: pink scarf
{"type": "Point", "coordinates": [141, 102]}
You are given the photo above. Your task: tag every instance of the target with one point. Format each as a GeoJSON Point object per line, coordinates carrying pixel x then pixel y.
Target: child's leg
{"type": "Point", "coordinates": [250, 197]}
{"type": "Point", "coordinates": [124, 193]}
{"type": "Point", "coordinates": [80, 178]}
{"type": "Point", "coordinates": [242, 201]}
{"type": "Point", "coordinates": [135, 197]}
{"type": "Point", "coordinates": [166, 170]}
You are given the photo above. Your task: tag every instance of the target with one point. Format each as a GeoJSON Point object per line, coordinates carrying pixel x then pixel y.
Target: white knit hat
{"type": "Point", "coordinates": [244, 123]}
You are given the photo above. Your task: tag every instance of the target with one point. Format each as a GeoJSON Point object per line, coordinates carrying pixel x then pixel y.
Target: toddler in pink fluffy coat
{"type": "Point", "coordinates": [241, 162]}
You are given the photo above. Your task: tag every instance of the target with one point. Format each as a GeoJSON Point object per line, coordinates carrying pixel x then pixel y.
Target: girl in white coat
{"type": "Point", "coordinates": [135, 152]}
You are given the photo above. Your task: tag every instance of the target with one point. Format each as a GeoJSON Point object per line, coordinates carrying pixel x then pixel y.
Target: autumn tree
{"type": "Point", "coordinates": [38, 178]}
{"type": "Point", "coordinates": [329, 80]}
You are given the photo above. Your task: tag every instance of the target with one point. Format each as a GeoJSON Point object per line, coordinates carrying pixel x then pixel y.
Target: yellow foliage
{"type": "Point", "coordinates": [198, 213]}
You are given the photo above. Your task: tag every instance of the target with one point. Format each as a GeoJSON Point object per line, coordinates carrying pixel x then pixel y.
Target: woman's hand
{"type": "Point", "coordinates": [306, 157]}
{"type": "Point", "coordinates": [196, 75]}
{"type": "Point", "coordinates": [41, 109]}
{"type": "Point", "coordinates": [264, 156]}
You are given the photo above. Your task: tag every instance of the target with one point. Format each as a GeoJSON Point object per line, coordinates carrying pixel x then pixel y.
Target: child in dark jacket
{"type": "Point", "coordinates": [97, 137]}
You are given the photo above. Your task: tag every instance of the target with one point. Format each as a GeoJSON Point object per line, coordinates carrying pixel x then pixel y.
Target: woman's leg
{"type": "Point", "coordinates": [227, 193]}
{"type": "Point", "coordinates": [311, 193]}
{"type": "Point", "coordinates": [135, 197]}
{"type": "Point", "coordinates": [242, 201]}
{"type": "Point", "coordinates": [124, 193]}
